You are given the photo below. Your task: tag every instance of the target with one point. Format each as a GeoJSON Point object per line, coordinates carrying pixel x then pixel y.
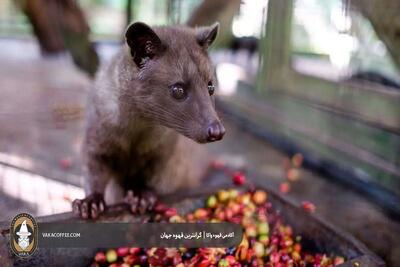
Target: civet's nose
{"type": "Point", "coordinates": [215, 131]}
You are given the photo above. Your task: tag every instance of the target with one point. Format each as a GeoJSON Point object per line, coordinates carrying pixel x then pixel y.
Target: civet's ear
{"type": "Point", "coordinates": [143, 42]}
{"type": "Point", "coordinates": [206, 35]}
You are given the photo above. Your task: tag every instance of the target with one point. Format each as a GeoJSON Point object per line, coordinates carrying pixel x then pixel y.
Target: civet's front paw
{"type": "Point", "coordinates": [90, 207]}
{"type": "Point", "coordinates": [141, 202]}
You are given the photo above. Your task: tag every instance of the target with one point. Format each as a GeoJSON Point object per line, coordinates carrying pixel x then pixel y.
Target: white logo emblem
{"type": "Point", "coordinates": [23, 233]}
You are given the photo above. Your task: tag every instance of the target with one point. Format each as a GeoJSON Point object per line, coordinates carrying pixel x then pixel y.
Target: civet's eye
{"type": "Point", "coordinates": [211, 88]}
{"type": "Point", "coordinates": [178, 92]}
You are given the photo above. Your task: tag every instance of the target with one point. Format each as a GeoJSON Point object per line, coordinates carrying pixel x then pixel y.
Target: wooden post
{"type": "Point", "coordinates": [129, 12]}
{"type": "Point", "coordinates": [276, 44]}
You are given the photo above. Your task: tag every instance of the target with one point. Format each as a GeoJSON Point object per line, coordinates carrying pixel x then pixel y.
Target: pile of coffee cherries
{"type": "Point", "coordinates": [267, 241]}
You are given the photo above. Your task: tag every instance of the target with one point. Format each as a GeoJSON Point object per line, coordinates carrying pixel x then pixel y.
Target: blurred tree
{"type": "Point", "coordinates": [210, 11]}
{"type": "Point", "coordinates": [385, 19]}
{"type": "Point", "coordinates": [60, 25]}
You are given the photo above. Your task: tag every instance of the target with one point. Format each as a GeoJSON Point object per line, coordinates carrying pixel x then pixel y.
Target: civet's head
{"type": "Point", "coordinates": [177, 78]}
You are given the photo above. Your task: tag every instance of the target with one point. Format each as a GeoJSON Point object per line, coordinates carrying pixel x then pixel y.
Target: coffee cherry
{"type": "Point", "coordinates": [175, 219]}
{"type": "Point", "coordinates": [338, 260]}
{"type": "Point", "coordinates": [100, 257]}
{"type": "Point", "coordinates": [160, 208]}
{"type": "Point", "coordinates": [121, 252]}
{"type": "Point", "coordinates": [111, 255]}
{"type": "Point", "coordinates": [264, 239]}
{"type": "Point", "coordinates": [259, 249]}
{"type": "Point", "coordinates": [292, 175]}
{"type": "Point", "coordinates": [233, 193]}
{"type": "Point", "coordinates": [263, 228]}
{"type": "Point", "coordinates": [134, 250]}
{"type": "Point", "coordinates": [200, 214]}
{"type": "Point", "coordinates": [284, 187]}
{"type": "Point", "coordinates": [238, 178]}
{"type": "Point", "coordinates": [170, 212]}
{"type": "Point", "coordinates": [297, 160]}
{"type": "Point", "coordinates": [65, 163]}
{"type": "Point", "coordinates": [217, 164]}
{"type": "Point", "coordinates": [251, 231]}
{"type": "Point", "coordinates": [212, 202]}
{"type": "Point", "coordinates": [259, 197]}
{"type": "Point", "coordinates": [230, 259]}
{"type": "Point", "coordinates": [308, 206]}
{"type": "Point", "coordinates": [131, 259]}
{"type": "Point", "coordinates": [223, 195]}
{"type": "Point", "coordinates": [223, 263]}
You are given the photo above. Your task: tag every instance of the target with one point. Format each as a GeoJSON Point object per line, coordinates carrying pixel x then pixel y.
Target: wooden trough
{"type": "Point", "coordinates": [317, 234]}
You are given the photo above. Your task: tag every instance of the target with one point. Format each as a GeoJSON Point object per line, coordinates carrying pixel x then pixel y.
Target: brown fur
{"type": "Point", "coordinates": [137, 135]}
